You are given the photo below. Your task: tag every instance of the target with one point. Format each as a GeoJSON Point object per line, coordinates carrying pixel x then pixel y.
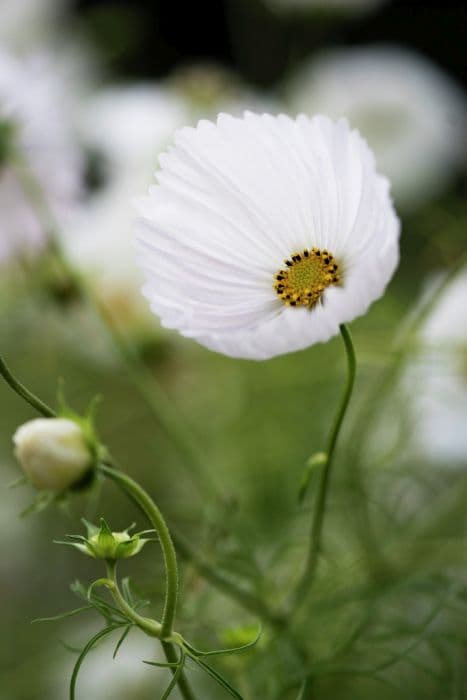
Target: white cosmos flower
{"type": "Point", "coordinates": [413, 115]}
{"type": "Point", "coordinates": [34, 103]}
{"type": "Point", "coordinates": [237, 198]}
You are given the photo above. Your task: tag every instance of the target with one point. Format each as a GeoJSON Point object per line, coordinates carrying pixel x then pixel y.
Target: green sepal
{"type": "Point", "coordinates": [86, 422]}
{"type": "Point", "coordinates": [102, 543]}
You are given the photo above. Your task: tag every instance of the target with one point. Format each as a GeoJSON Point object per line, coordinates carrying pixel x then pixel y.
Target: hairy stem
{"type": "Point", "coordinates": [183, 685]}
{"type": "Point", "coordinates": [150, 627]}
{"type": "Point", "coordinates": [323, 489]}
{"type": "Point", "coordinates": [152, 512]}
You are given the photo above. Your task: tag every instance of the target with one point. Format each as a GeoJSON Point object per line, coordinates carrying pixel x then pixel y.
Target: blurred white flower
{"type": "Point", "coordinates": [35, 113]}
{"type": "Point", "coordinates": [439, 379]}
{"type": "Point", "coordinates": [26, 23]}
{"type": "Point", "coordinates": [265, 233]}
{"type": "Point", "coordinates": [126, 128]}
{"type": "Point", "coordinates": [413, 116]}
{"type": "Point", "coordinates": [343, 6]}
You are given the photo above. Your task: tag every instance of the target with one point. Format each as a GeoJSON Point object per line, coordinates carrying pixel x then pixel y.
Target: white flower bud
{"type": "Point", "coordinates": [53, 452]}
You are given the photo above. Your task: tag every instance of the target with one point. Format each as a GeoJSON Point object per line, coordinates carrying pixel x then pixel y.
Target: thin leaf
{"type": "Point", "coordinates": [87, 648]}
{"type": "Point", "coordinates": [63, 615]}
{"type": "Point", "coordinates": [69, 647]}
{"type": "Point", "coordinates": [161, 665]}
{"type": "Point", "coordinates": [217, 677]}
{"type": "Point", "coordinates": [220, 652]}
{"type": "Point", "coordinates": [175, 678]}
{"type": "Point", "coordinates": [121, 640]}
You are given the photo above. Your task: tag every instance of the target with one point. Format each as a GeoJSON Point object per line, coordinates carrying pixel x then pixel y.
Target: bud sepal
{"type": "Point", "coordinates": [102, 543]}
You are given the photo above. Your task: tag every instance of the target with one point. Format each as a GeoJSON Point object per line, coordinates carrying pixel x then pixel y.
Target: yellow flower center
{"type": "Point", "coordinates": [305, 277]}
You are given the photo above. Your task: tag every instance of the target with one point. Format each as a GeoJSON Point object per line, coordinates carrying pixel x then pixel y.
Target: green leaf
{"type": "Point", "coordinates": [92, 642]}
{"type": "Point", "coordinates": [161, 665]}
{"type": "Point", "coordinates": [63, 615]}
{"type": "Point", "coordinates": [231, 650]}
{"type": "Point", "coordinates": [217, 677]}
{"type": "Point", "coordinates": [175, 678]}
{"type": "Point", "coordinates": [121, 640]}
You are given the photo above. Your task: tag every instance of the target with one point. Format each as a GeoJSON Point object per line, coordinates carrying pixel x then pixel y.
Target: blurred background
{"type": "Point", "coordinates": [90, 93]}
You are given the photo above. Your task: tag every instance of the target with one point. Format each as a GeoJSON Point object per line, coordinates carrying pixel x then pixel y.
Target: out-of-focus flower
{"type": "Point", "coordinates": [412, 115]}
{"type": "Point", "coordinates": [209, 88]}
{"type": "Point", "coordinates": [36, 126]}
{"type": "Point", "coordinates": [265, 233]}
{"type": "Point", "coordinates": [329, 6]}
{"type": "Point", "coordinates": [439, 379]}
{"type": "Point", "coordinates": [53, 453]}
{"type": "Point", "coordinates": [125, 128]}
{"type": "Point", "coordinates": [27, 23]}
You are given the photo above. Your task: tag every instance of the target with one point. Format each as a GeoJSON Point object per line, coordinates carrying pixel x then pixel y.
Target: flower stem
{"type": "Point", "coordinates": [321, 502]}
{"type": "Point", "coordinates": [183, 686]}
{"type": "Point", "coordinates": [306, 691]}
{"type": "Point", "coordinates": [152, 512]}
{"type": "Point", "coordinates": [150, 627]}
{"type": "Point", "coordinates": [21, 390]}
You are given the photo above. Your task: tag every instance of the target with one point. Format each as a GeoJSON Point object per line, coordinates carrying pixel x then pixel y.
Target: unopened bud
{"type": "Point", "coordinates": [53, 453]}
{"type": "Point", "coordinates": [102, 543]}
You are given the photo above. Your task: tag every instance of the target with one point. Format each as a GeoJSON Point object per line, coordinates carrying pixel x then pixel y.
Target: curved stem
{"type": "Point", "coordinates": [321, 502]}
{"type": "Point", "coordinates": [152, 512]}
{"type": "Point", "coordinates": [21, 390]}
{"type": "Point", "coordinates": [151, 627]}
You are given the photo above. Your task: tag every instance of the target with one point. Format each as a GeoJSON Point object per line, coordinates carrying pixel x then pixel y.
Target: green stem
{"type": "Point", "coordinates": [21, 390]}
{"type": "Point", "coordinates": [152, 512]}
{"type": "Point", "coordinates": [306, 691]}
{"type": "Point", "coordinates": [223, 583]}
{"type": "Point", "coordinates": [321, 501]}
{"type": "Point", "coordinates": [149, 626]}
{"type": "Point", "coordinates": [172, 658]}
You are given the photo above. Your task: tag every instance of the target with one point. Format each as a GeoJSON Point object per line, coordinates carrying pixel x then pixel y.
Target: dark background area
{"type": "Point", "coordinates": [148, 38]}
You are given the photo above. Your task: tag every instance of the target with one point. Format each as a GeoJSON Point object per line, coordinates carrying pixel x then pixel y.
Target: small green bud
{"type": "Point", "coordinates": [54, 453]}
{"type": "Point", "coordinates": [102, 543]}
